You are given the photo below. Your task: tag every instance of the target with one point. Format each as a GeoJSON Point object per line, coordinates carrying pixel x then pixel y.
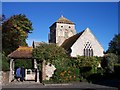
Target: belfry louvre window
{"type": "Point", "coordinates": [88, 51]}
{"type": "Point", "coordinates": [61, 26]}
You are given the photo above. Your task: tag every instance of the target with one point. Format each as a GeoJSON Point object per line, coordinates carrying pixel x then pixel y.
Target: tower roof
{"type": "Point", "coordinates": [62, 19]}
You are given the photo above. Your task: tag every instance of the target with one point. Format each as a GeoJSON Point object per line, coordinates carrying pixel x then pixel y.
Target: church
{"type": "Point", "coordinates": [62, 33]}
{"type": "Point", "coordinates": [84, 43]}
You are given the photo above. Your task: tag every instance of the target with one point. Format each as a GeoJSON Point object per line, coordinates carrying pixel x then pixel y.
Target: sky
{"type": "Point", "coordinates": [100, 17]}
{"type": "Point", "coordinates": [60, 0]}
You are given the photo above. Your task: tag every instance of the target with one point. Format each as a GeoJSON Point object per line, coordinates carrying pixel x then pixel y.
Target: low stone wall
{"type": "Point", "coordinates": [5, 77]}
{"type": "Point", "coordinates": [0, 77]}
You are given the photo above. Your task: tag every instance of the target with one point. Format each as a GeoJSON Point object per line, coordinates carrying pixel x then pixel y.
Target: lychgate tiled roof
{"type": "Point", "coordinates": [21, 52]}
{"type": "Point", "coordinates": [64, 20]}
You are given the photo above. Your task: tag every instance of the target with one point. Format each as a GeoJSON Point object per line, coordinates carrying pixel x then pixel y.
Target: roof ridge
{"type": "Point", "coordinates": [24, 48]}
{"type": "Point", "coordinates": [71, 40]}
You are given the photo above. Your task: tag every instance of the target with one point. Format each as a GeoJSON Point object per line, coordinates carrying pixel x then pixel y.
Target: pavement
{"type": "Point", "coordinates": [80, 85]}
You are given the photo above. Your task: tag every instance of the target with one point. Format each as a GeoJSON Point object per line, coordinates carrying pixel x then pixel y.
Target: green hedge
{"type": "Point", "coordinates": [117, 70]}
{"type": "Point", "coordinates": [76, 69]}
{"type": "Point", "coordinates": [27, 63]}
{"type": "Point", "coordinates": [87, 71]}
{"type": "Point", "coordinates": [64, 75]}
{"type": "Point", "coordinates": [111, 60]}
{"type": "Point", "coordinates": [5, 63]}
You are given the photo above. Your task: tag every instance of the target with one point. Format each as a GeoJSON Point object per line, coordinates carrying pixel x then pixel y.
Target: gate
{"type": "Point", "coordinates": [30, 74]}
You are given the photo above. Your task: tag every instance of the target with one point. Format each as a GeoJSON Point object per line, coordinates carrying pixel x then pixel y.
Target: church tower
{"type": "Point", "coordinates": [61, 30]}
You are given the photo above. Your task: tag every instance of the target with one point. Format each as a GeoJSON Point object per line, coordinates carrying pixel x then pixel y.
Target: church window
{"type": "Point", "coordinates": [88, 51]}
{"type": "Point", "coordinates": [91, 52]}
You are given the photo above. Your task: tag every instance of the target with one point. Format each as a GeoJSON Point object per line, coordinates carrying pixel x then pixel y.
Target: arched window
{"type": "Point", "coordinates": [88, 51]}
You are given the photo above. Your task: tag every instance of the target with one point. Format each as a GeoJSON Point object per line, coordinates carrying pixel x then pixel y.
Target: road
{"type": "Point", "coordinates": [80, 85]}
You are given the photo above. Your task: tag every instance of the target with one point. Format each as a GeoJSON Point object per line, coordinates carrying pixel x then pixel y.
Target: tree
{"type": "Point", "coordinates": [87, 61]}
{"type": "Point", "coordinates": [51, 53]}
{"type": "Point", "coordinates": [114, 46]}
{"type": "Point", "coordinates": [4, 63]}
{"type": "Point", "coordinates": [87, 65]}
{"type": "Point", "coordinates": [15, 32]}
{"type": "Point", "coordinates": [111, 59]}
{"type": "Point", "coordinates": [2, 18]}
{"type": "Point", "coordinates": [58, 57]}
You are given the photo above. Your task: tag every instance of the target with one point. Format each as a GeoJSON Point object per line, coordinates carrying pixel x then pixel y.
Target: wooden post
{"type": "Point", "coordinates": [35, 63]}
{"type": "Point", "coordinates": [25, 74]}
{"type": "Point", "coordinates": [36, 71]}
{"type": "Point", "coordinates": [11, 76]}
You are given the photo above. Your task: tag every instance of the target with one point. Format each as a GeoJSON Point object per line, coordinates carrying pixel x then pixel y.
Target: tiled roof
{"type": "Point", "coordinates": [21, 52]}
{"type": "Point", "coordinates": [64, 20]}
{"type": "Point", "coordinates": [67, 44]}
